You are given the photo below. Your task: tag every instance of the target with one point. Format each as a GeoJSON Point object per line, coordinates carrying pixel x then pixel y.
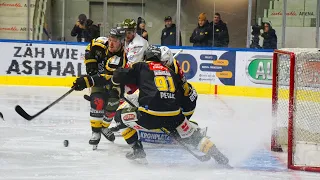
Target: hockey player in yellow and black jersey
{"type": "Point", "coordinates": [103, 55]}
{"type": "Point", "coordinates": [190, 96]}
{"type": "Point", "coordinates": [159, 104]}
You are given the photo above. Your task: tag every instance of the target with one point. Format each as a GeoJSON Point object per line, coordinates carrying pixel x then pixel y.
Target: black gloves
{"type": "Point", "coordinates": [91, 67]}
{"type": "Point", "coordinates": [83, 82]}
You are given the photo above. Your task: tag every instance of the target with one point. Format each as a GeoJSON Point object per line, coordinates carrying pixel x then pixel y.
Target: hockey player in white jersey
{"type": "Point", "coordinates": [135, 45]}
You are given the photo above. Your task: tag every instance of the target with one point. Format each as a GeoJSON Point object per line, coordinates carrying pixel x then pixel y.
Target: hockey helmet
{"type": "Point", "coordinates": [129, 24]}
{"type": "Point", "coordinates": [166, 56]}
{"type": "Point", "coordinates": [117, 32]}
{"type": "Point", "coordinates": [152, 53]}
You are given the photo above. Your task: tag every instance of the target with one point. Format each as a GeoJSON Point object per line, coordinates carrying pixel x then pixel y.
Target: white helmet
{"type": "Point", "coordinates": [166, 56]}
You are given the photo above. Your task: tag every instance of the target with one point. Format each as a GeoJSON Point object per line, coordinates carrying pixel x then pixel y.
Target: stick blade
{"type": "Point", "coordinates": [22, 113]}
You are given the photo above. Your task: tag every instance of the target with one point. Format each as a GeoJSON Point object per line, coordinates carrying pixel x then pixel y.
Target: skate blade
{"type": "Point", "coordinates": [94, 147]}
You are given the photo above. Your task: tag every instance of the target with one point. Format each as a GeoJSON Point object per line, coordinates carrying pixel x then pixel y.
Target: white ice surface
{"type": "Point", "coordinates": [240, 127]}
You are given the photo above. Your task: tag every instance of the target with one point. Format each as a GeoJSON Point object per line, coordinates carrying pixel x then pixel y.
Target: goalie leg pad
{"type": "Point", "coordinates": [204, 145]}
{"type": "Point", "coordinates": [186, 129]}
{"type": "Point", "coordinates": [207, 147]}
{"type": "Point", "coordinates": [129, 116]}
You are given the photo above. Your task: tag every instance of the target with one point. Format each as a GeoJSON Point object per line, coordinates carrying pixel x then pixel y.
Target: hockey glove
{"type": "Point", "coordinates": [91, 67]}
{"type": "Point", "coordinates": [83, 82]}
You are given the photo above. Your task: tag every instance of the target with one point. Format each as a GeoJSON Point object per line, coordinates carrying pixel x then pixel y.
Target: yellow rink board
{"type": "Point", "coordinates": [202, 88]}
{"type": "Point", "coordinates": [308, 94]}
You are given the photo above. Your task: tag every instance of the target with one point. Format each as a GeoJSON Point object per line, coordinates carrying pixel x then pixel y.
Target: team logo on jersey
{"type": "Point", "coordinates": [129, 117]}
{"type": "Point", "coordinates": [99, 103]}
{"type": "Point", "coordinates": [157, 66]}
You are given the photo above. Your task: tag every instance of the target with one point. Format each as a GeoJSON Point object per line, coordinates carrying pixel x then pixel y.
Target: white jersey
{"type": "Point", "coordinates": [135, 49]}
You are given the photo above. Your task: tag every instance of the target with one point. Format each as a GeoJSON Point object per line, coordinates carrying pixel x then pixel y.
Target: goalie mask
{"type": "Point", "coordinates": [166, 56]}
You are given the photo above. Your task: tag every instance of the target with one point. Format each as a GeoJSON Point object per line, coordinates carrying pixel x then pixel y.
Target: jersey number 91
{"type": "Point", "coordinates": [165, 83]}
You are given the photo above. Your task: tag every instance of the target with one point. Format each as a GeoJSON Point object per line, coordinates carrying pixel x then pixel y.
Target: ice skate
{"type": "Point", "coordinates": [137, 154]}
{"type": "Point", "coordinates": [108, 134]}
{"type": "Point", "coordinates": [95, 139]}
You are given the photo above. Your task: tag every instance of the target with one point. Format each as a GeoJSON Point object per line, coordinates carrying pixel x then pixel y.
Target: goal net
{"type": "Point", "coordinates": [296, 107]}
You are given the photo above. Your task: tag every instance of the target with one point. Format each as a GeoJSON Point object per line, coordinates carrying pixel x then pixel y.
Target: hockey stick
{"type": "Point", "coordinates": [87, 97]}
{"type": "Point", "coordinates": [25, 115]}
{"type": "Point", "coordinates": [177, 53]}
{"type": "Point", "coordinates": [202, 158]}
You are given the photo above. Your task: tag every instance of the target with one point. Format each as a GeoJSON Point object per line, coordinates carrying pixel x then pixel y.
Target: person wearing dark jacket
{"type": "Point", "coordinates": [91, 31]}
{"type": "Point", "coordinates": [141, 28]}
{"type": "Point", "coordinates": [221, 34]}
{"type": "Point", "coordinates": [84, 29]}
{"type": "Point", "coordinates": [78, 29]}
{"type": "Point", "coordinates": [270, 38]}
{"type": "Point", "coordinates": [202, 35]}
{"type": "Point", "coordinates": [168, 34]}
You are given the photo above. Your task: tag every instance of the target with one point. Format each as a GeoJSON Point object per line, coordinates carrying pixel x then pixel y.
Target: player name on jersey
{"type": "Point", "coordinates": [161, 73]}
{"type": "Point", "coordinates": [166, 95]}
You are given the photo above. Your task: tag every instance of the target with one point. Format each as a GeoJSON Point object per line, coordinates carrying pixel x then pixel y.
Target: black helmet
{"type": "Point", "coordinates": [117, 32]}
{"type": "Point", "coordinates": [152, 53]}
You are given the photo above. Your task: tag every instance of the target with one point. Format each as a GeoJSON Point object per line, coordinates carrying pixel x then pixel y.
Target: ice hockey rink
{"type": "Point", "coordinates": [240, 127]}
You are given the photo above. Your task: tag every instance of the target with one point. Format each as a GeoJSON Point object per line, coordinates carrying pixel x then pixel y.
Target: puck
{"type": "Point", "coordinates": [1, 116]}
{"type": "Point", "coordinates": [66, 143]}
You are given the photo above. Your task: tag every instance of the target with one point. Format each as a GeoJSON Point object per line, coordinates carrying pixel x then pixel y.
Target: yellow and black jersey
{"type": "Point", "coordinates": [177, 69]}
{"type": "Point", "coordinates": [105, 61]}
{"type": "Point", "coordinates": [159, 87]}
{"type": "Point", "coordinates": [95, 55]}
{"type": "Point", "coordinates": [190, 96]}
{"type": "Point", "coordinates": [115, 60]}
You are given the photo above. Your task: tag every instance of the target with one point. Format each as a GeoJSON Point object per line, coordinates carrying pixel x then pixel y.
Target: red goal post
{"type": "Point", "coordinates": [296, 107]}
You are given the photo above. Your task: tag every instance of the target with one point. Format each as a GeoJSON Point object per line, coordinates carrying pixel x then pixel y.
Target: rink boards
{"type": "Point", "coordinates": [225, 71]}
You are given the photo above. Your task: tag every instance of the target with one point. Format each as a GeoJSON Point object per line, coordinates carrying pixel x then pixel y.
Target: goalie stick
{"type": "Point", "coordinates": [28, 117]}
{"type": "Point", "coordinates": [177, 53]}
{"type": "Point", "coordinates": [201, 158]}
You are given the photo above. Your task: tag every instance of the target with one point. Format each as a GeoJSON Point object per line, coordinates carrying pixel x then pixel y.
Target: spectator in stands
{"type": "Point", "coordinates": [168, 34]}
{"type": "Point", "coordinates": [141, 28]}
{"type": "Point", "coordinates": [202, 35]}
{"type": "Point", "coordinates": [221, 34]}
{"type": "Point", "coordinates": [84, 29]}
{"type": "Point", "coordinates": [270, 38]}
{"type": "Point", "coordinates": [91, 31]}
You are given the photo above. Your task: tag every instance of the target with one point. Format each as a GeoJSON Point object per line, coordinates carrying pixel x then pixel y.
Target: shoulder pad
{"type": "Point", "coordinates": [103, 40]}
{"type": "Point", "coordinates": [100, 42]}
